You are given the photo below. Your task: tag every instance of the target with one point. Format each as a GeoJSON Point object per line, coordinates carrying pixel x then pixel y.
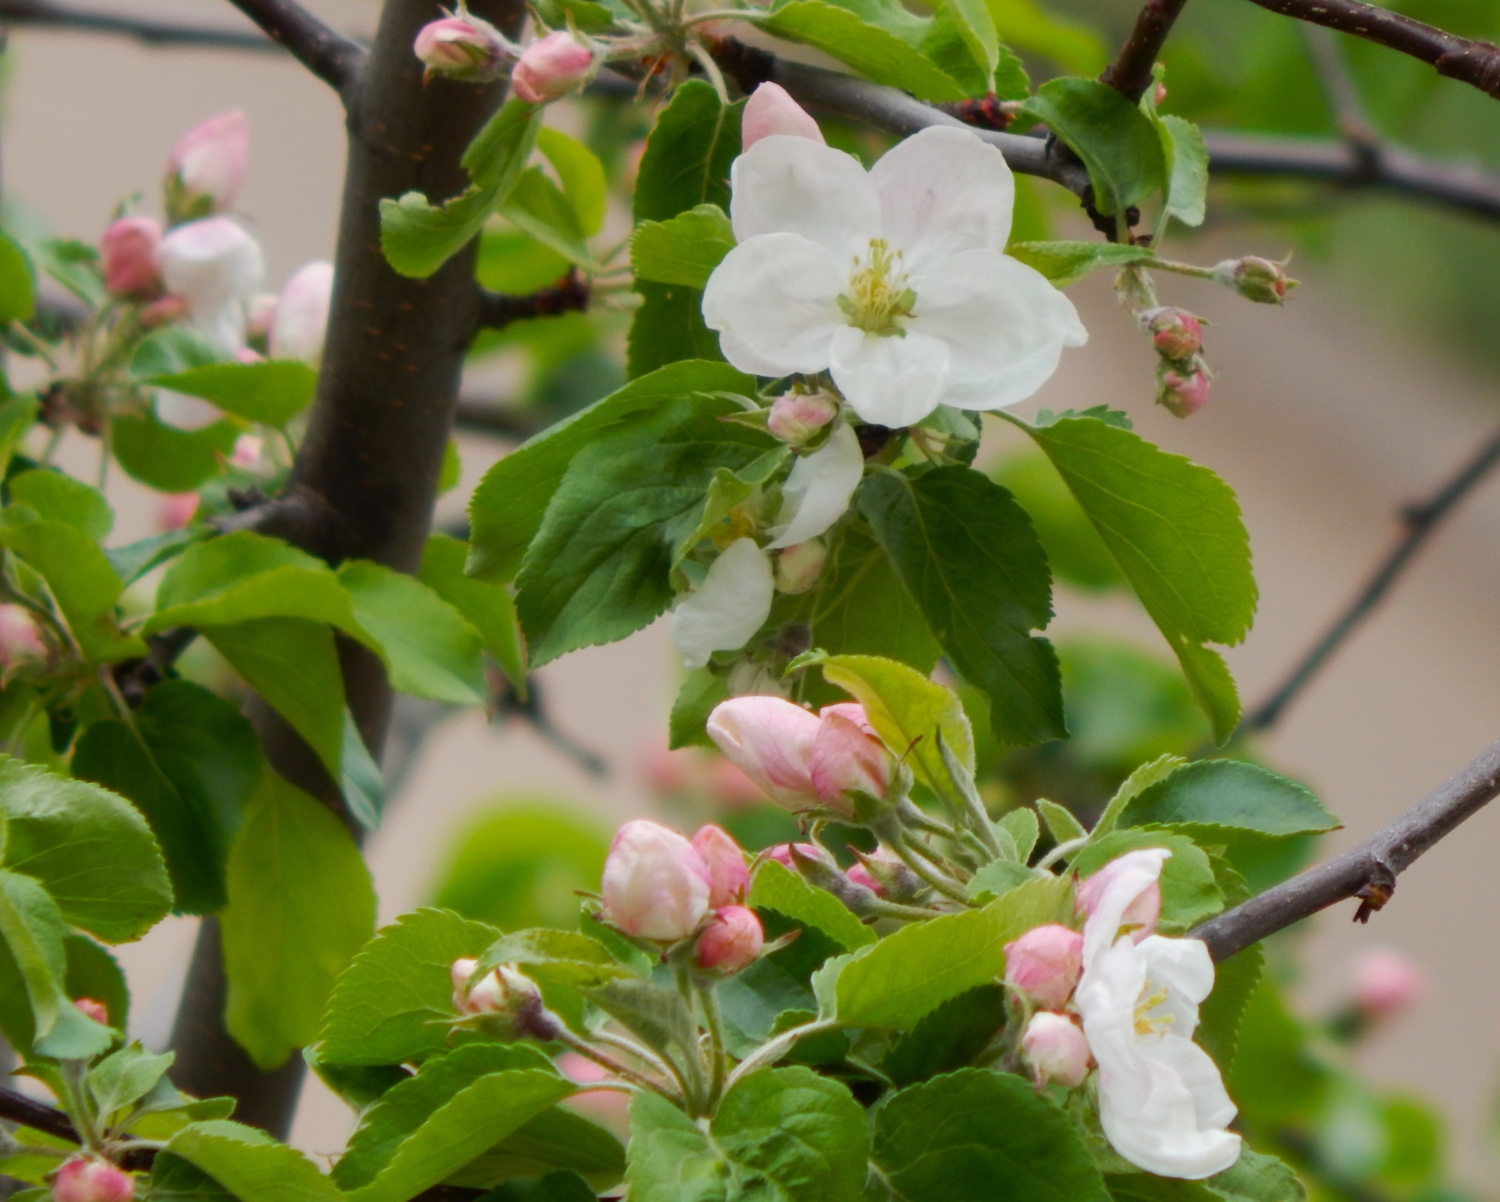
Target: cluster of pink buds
{"type": "Point", "coordinates": [1181, 374]}
{"type": "Point", "coordinates": [464, 47]}
{"type": "Point", "coordinates": [207, 168]}
{"type": "Point", "coordinates": [804, 761]}
{"type": "Point", "coordinates": [662, 887]}
{"type": "Point", "coordinates": [88, 1179]}
{"type": "Point", "coordinates": [1261, 280]}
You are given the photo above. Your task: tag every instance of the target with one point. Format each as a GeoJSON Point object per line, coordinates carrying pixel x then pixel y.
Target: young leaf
{"type": "Point", "coordinates": [1175, 530]}
{"type": "Point", "coordinates": [173, 349]}
{"type": "Point", "coordinates": [968, 554]}
{"type": "Point", "coordinates": [487, 607]}
{"type": "Point", "coordinates": [58, 497]}
{"type": "Point", "coordinates": [582, 174]}
{"type": "Point", "coordinates": [538, 206]}
{"type": "Point", "coordinates": [300, 906]}
{"type": "Point", "coordinates": [125, 1077]}
{"type": "Point", "coordinates": [1144, 776]}
{"type": "Point", "coordinates": [271, 393]}
{"type": "Point", "coordinates": [1066, 263]}
{"type": "Point", "coordinates": [1022, 826]}
{"type": "Point", "coordinates": [668, 328]}
{"type": "Point", "coordinates": [684, 250]}
{"type": "Point", "coordinates": [776, 887]}
{"type": "Point", "coordinates": [360, 782]}
{"type": "Point", "coordinates": [250, 1165]}
{"type": "Point", "coordinates": [1061, 824]}
{"type": "Point", "coordinates": [1231, 794]}
{"type": "Point", "coordinates": [669, 1158]}
{"type": "Point", "coordinates": [166, 458]}
{"type": "Point", "coordinates": [1220, 1014]}
{"type": "Point", "coordinates": [573, 1153]}
{"type": "Point", "coordinates": [1187, 168]}
{"type": "Point", "coordinates": [17, 282]}
{"type": "Point", "coordinates": [1115, 140]}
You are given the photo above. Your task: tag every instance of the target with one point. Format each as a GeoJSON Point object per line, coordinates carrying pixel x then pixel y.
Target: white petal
{"type": "Point", "coordinates": [217, 268]}
{"type": "Point", "coordinates": [943, 191]}
{"type": "Point", "coordinates": [891, 381]}
{"type": "Point", "coordinates": [817, 492]}
{"type": "Point", "coordinates": [776, 295]}
{"type": "Point", "coordinates": [1198, 1072]}
{"type": "Point", "coordinates": [1005, 326]}
{"type": "Point", "coordinates": [786, 185]}
{"type": "Point", "coordinates": [1182, 965]}
{"type": "Point", "coordinates": [185, 412]}
{"type": "Point", "coordinates": [1133, 873]}
{"type": "Point", "coordinates": [1149, 1115]}
{"type": "Point", "coordinates": [732, 603]}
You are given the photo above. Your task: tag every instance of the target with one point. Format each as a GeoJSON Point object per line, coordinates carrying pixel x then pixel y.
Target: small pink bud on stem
{"type": "Point", "coordinates": [128, 254]}
{"type": "Point", "coordinates": [798, 567]}
{"type": "Point", "coordinates": [1055, 1050]}
{"type": "Point", "coordinates": [771, 110]}
{"type": "Point", "coordinates": [771, 741]}
{"type": "Point", "coordinates": [796, 417]}
{"type": "Point", "coordinates": [728, 876]}
{"type": "Point", "coordinates": [86, 1179]}
{"type": "Point", "coordinates": [1182, 392]}
{"type": "Point", "coordinates": [656, 886]}
{"type": "Point", "coordinates": [848, 757]}
{"type": "Point", "coordinates": [1261, 280]}
{"type": "Point", "coordinates": [207, 167]}
{"type": "Point", "coordinates": [94, 1009]}
{"type": "Point", "coordinates": [1387, 984]}
{"type": "Point", "coordinates": [1045, 964]}
{"type": "Point", "coordinates": [1176, 333]}
{"type": "Point", "coordinates": [463, 47]}
{"type": "Point", "coordinates": [731, 941]}
{"type": "Point", "coordinates": [551, 68]}
{"type": "Point", "coordinates": [21, 639]}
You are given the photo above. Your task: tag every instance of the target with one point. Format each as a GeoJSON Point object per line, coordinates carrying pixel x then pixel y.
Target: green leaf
{"type": "Point", "coordinates": [189, 764]}
{"type": "Point", "coordinates": [538, 206]}
{"type": "Point", "coordinates": [656, 1013]}
{"type": "Point", "coordinates": [250, 1165]}
{"type": "Point", "coordinates": [1022, 826]}
{"type": "Point", "coordinates": [1026, 26]}
{"type": "Point", "coordinates": [948, 1037]}
{"type": "Point", "coordinates": [17, 415]}
{"type": "Point", "coordinates": [1256, 1177]}
{"type": "Point", "coordinates": [390, 1004]}
{"type": "Point", "coordinates": [17, 282]}
{"type": "Point", "coordinates": [599, 568]}
{"type": "Point", "coordinates": [360, 781]}
{"type": "Point", "coordinates": [668, 328]}
{"type": "Point", "coordinates": [582, 174]}
{"type": "Point", "coordinates": [174, 349]}
{"type": "Point", "coordinates": [1175, 530]}
{"type": "Point", "coordinates": [980, 1136]}
{"type": "Point", "coordinates": [907, 711]}
{"type": "Point", "coordinates": [1230, 794]}
{"type": "Point", "coordinates": [1066, 263]}
{"type": "Point", "coordinates": [1190, 894]}
{"type": "Point", "coordinates": [1144, 776]}
{"type": "Point", "coordinates": [123, 1078]}
{"type": "Point", "coordinates": [60, 498]}
{"type": "Point", "coordinates": [560, 957]}
{"type": "Point", "coordinates": [1276, 1077]}
{"type": "Point", "coordinates": [1220, 1014]}
{"type": "Point", "coordinates": [91, 850]}
{"type": "Point", "coordinates": [507, 509]}
{"type": "Point", "coordinates": [1115, 140]}
{"type": "Point", "coordinates": [300, 907]}
{"type": "Point", "coordinates": [968, 554]}
{"type": "Point", "coordinates": [166, 458]}
{"type": "Point", "coordinates": [776, 887]}
{"type": "Point", "coordinates": [684, 250]}
{"type": "Point", "coordinates": [1187, 169]}
{"type": "Point", "coordinates": [487, 607]}
{"type": "Point", "coordinates": [872, 51]}
{"type": "Point", "coordinates": [581, 1153]}
{"type": "Point", "coordinates": [726, 490]}
{"type": "Point", "coordinates": [701, 690]}
{"type": "Point", "coordinates": [669, 1159]}
{"type": "Point", "coordinates": [271, 393]}
{"type": "Point", "coordinates": [802, 1134]}
{"type": "Point", "coordinates": [428, 647]}
{"type": "Point", "coordinates": [418, 237]}
{"type": "Point", "coordinates": [93, 972]}
{"type": "Point", "coordinates": [996, 879]}
{"type": "Point", "coordinates": [134, 560]}
{"type": "Point", "coordinates": [1061, 824]}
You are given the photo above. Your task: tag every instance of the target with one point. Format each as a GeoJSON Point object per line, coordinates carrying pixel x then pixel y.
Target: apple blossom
{"type": "Point", "coordinates": [301, 318]}
{"type": "Point", "coordinates": [771, 740]}
{"type": "Point", "coordinates": [128, 255]}
{"type": "Point", "coordinates": [207, 167]}
{"type": "Point", "coordinates": [728, 878]}
{"type": "Point", "coordinates": [1125, 893]}
{"type": "Point", "coordinates": [798, 568]}
{"type": "Point", "coordinates": [895, 281]}
{"type": "Point", "coordinates": [216, 268]}
{"type": "Point", "coordinates": [795, 417]}
{"type": "Point", "coordinates": [817, 491]}
{"type": "Point", "coordinates": [86, 1179]}
{"type": "Point", "coordinates": [175, 510]}
{"type": "Point", "coordinates": [1386, 984]}
{"type": "Point", "coordinates": [463, 46]}
{"type": "Point", "coordinates": [552, 67]}
{"type": "Point", "coordinates": [1045, 963]}
{"type": "Point", "coordinates": [726, 610]}
{"type": "Point", "coordinates": [732, 940]}
{"type": "Point", "coordinates": [771, 110]}
{"type": "Point", "coordinates": [1055, 1050]}
{"type": "Point", "coordinates": [655, 885]}
{"type": "Point", "coordinates": [848, 757]}
{"type": "Point", "coordinates": [21, 640]}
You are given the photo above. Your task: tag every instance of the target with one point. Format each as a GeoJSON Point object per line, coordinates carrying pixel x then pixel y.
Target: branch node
{"type": "Point", "coordinates": [1376, 891]}
{"type": "Point", "coordinates": [499, 309]}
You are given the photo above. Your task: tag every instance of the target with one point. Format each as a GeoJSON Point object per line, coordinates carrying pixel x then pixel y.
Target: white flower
{"type": "Point", "coordinates": [730, 605]}
{"type": "Point", "coordinates": [301, 321]}
{"type": "Point", "coordinates": [817, 490]}
{"type": "Point", "coordinates": [1162, 1103]}
{"type": "Point", "coordinates": [894, 281]}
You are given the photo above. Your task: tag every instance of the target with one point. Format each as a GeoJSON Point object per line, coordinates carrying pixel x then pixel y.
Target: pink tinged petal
{"type": "Point", "coordinates": [817, 492]}
{"type": "Point", "coordinates": [211, 158]}
{"type": "Point", "coordinates": [655, 885]}
{"type": "Point", "coordinates": [943, 191]}
{"type": "Point", "coordinates": [216, 268]}
{"type": "Point", "coordinates": [730, 605]}
{"type": "Point", "coordinates": [771, 741]}
{"type": "Point", "coordinates": [792, 185]}
{"type": "Point", "coordinates": [1045, 963]}
{"type": "Point", "coordinates": [1005, 327]}
{"type": "Point", "coordinates": [774, 301]}
{"type": "Point", "coordinates": [893, 381]}
{"type": "Point", "coordinates": [729, 878]}
{"type": "Point", "coordinates": [301, 319]}
{"type": "Point", "coordinates": [732, 941]}
{"type": "Point", "coordinates": [847, 758]}
{"type": "Point", "coordinates": [771, 110]}
{"type": "Point", "coordinates": [1112, 898]}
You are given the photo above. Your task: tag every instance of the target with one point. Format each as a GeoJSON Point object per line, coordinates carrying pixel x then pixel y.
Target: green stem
{"type": "Point", "coordinates": [775, 1049]}
{"type": "Point", "coordinates": [929, 872]}
{"type": "Point", "coordinates": [73, 1074]}
{"type": "Point", "coordinates": [609, 1063]}
{"type": "Point", "coordinates": [714, 1020]}
{"type": "Point", "coordinates": [692, 1057]}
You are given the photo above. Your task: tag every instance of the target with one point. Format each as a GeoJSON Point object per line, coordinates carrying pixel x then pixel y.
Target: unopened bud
{"type": "Point", "coordinates": [848, 757]}
{"type": "Point", "coordinates": [885, 875]}
{"type": "Point", "coordinates": [732, 940]}
{"type": "Point", "coordinates": [796, 417]}
{"type": "Point", "coordinates": [551, 68]}
{"type": "Point", "coordinates": [798, 567]}
{"type": "Point", "coordinates": [128, 255]}
{"type": "Point", "coordinates": [728, 877]}
{"type": "Point", "coordinates": [771, 740]}
{"type": "Point", "coordinates": [655, 885]}
{"type": "Point", "coordinates": [1182, 393]}
{"type": "Point", "coordinates": [1160, 95]}
{"type": "Point", "coordinates": [463, 47]}
{"type": "Point", "coordinates": [21, 640]}
{"type": "Point", "coordinates": [85, 1179]}
{"type": "Point", "coordinates": [207, 167]}
{"type": "Point", "coordinates": [771, 110]}
{"type": "Point", "coordinates": [301, 319]}
{"type": "Point", "coordinates": [794, 855]}
{"type": "Point", "coordinates": [1386, 984]}
{"type": "Point", "coordinates": [1254, 278]}
{"type": "Point", "coordinates": [1176, 333]}
{"type": "Point", "coordinates": [94, 1009]}
{"type": "Point", "coordinates": [160, 312]}
{"type": "Point", "coordinates": [1055, 1050]}
{"type": "Point", "coordinates": [1126, 891]}
{"type": "Point", "coordinates": [483, 997]}
{"type": "Point", "coordinates": [1045, 964]}
{"type": "Point", "coordinates": [175, 510]}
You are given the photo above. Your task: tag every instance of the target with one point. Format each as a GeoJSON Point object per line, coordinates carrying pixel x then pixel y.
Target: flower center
{"type": "Point", "coordinates": [1145, 1024]}
{"type": "Point", "coordinates": [877, 293]}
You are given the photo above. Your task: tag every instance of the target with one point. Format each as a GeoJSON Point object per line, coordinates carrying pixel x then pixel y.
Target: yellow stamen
{"type": "Point", "coordinates": [878, 294]}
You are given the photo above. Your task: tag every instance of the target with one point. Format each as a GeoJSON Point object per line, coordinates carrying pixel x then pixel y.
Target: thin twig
{"type": "Point", "coordinates": [46, 14]}
{"type": "Point", "coordinates": [325, 52]}
{"type": "Point", "coordinates": [1340, 88]}
{"type": "Point", "coordinates": [497, 418]}
{"type": "Point", "coordinates": [1130, 73]}
{"type": "Point", "coordinates": [499, 309]}
{"type": "Point", "coordinates": [1421, 520]}
{"type": "Point", "coordinates": [1368, 871]}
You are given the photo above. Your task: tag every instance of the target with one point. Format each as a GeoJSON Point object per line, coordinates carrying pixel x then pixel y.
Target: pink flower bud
{"type": "Point", "coordinates": [486, 996]}
{"type": "Point", "coordinates": [848, 757]}
{"type": "Point", "coordinates": [262, 316]}
{"type": "Point", "coordinates": [655, 885]}
{"type": "Point", "coordinates": [94, 1009]}
{"type": "Point", "coordinates": [551, 68]}
{"type": "Point", "coordinates": [728, 878]}
{"type": "Point", "coordinates": [795, 417]}
{"type": "Point", "coordinates": [729, 786]}
{"type": "Point", "coordinates": [247, 449]}
{"type": "Point", "coordinates": [128, 252]}
{"type": "Point", "coordinates": [798, 567]}
{"type": "Point", "coordinates": [860, 875]}
{"type": "Point", "coordinates": [771, 110]}
{"type": "Point", "coordinates": [1160, 95]}
{"type": "Point", "coordinates": [21, 640]}
{"type": "Point", "coordinates": [159, 312]}
{"type": "Point", "coordinates": [1127, 885]}
{"type": "Point", "coordinates": [1182, 393]}
{"type": "Point", "coordinates": [175, 510]}
{"type": "Point", "coordinates": [1260, 280]}
{"type": "Point", "coordinates": [1055, 1049]}
{"type": "Point", "coordinates": [1386, 984]}
{"type": "Point", "coordinates": [1045, 964]}
{"type": "Point", "coordinates": [771, 741]}
{"type": "Point", "coordinates": [463, 47]}
{"type": "Point", "coordinates": [782, 854]}
{"type": "Point", "coordinates": [302, 315]}
{"type": "Point", "coordinates": [84, 1179]}
{"type": "Point", "coordinates": [1176, 333]}
{"type": "Point", "coordinates": [732, 940]}
{"type": "Point", "coordinates": [207, 167]}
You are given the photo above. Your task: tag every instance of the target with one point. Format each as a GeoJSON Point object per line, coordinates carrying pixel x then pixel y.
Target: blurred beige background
{"type": "Point", "coordinates": [1321, 422]}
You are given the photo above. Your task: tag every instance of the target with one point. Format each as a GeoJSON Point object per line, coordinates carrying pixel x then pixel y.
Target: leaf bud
{"type": "Point", "coordinates": [771, 740]}
{"type": "Point", "coordinates": [732, 940]}
{"type": "Point", "coordinates": [798, 567]}
{"type": "Point", "coordinates": [1176, 333]}
{"type": "Point", "coordinates": [1182, 392]}
{"type": "Point", "coordinates": [1055, 1049]}
{"type": "Point", "coordinates": [656, 886]}
{"type": "Point", "coordinates": [552, 67]}
{"type": "Point", "coordinates": [1261, 280]}
{"type": "Point", "coordinates": [848, 757]}
{"type": "Point", "coordinates": [207, 167]}
{"type": "Point", "coordinates": [464, 47]}
{"type": "Point", "coordinates": [128, 255]}
{"type": "Point", "coordinates": [1045, 964]}
{"type": "Point", "coordinates": [1386, 984]}
{"type": "Point", "coordinates": [771, 110]}
{"type": "Point", "coordinates": [21, 640]}
{"type": "Point", "coordinates": [728, 878]}
{"type": "Point", "coordinates": [87, 1179]}
{"type": "Point", "coordinates": [796, 417]}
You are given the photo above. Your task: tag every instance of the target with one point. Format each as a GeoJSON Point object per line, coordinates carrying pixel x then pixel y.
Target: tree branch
{"type": "Point", "coordinates": [45, 13]}
{"type": "Point", "coordinates": [1421, 519]}
{"type": "Point", "coordinates": [325, 52]}
{"type": "Point", "coordinates": [1368, 871]}
{"type": "Point", "coordinates": [498, 309]}
{"type": "Point", "coordinates": [1130, 73]}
